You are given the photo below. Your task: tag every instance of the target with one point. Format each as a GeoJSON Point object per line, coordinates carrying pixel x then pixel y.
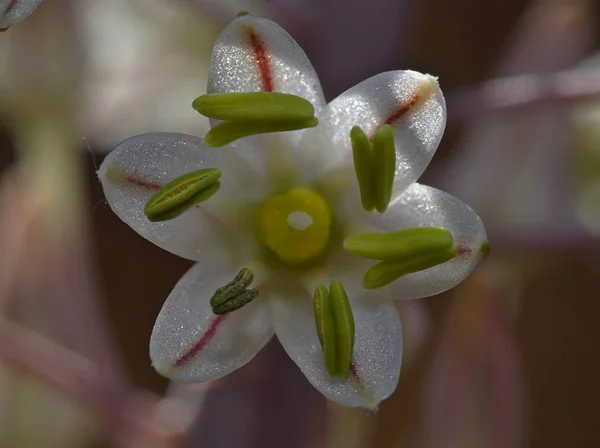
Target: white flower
{"type": "Point", "coordinates": [13, 11]}
{"type": "Point", "coordinates": [231, 230]}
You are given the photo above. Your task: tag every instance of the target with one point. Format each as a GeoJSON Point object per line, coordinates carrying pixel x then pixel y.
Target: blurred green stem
{"type": "Point", "coordinates": [347, 427]}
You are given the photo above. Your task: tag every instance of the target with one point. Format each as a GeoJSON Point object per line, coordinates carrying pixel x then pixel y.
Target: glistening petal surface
{"type": "Point", "coordinates": [377, 349]}
{"type": "Point", "coordinates": [141, 165]}
{"type": "Point", "coordinates": [189, 343]}
{"type": "Point", "coordinates": [423, 206]}
{"type": "Point", "coordinates": [411, 102]}
{"type": "Point", "coordinates": [16, 12]}
{"type": "Point", "coordinates": [257, 55]}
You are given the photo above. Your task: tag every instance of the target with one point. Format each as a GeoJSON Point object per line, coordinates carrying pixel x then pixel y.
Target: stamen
{"type": "Point", "coordinates": [235, 287]}
{"type": "Point", "coordinates": [375, 166]}
{"type": "Point", "coordinates": [362, 152]}
{"type": "Point", "coordinates": [388, 271]}
{"type": "Point", "coordinates": [236, 302]}
{"type": "Point", "coordinates": [335, 328]}
{"type": "Point", "coordinates": [403, 252]}
{"type": "Point", "coordinates": [384, 166]}
{"type": "Point", "coordinates": [400, 244]}
{"type": "Point", "coordinates": [252, 113]}
{"type": "Point", "coordinates": [254, 106]}
{"type": "Point", "coordinates": [230, 131]}
{"type": "Point", "coordinates": [234, 294]}
{"type": "Point", "coordinates": [182, 193]}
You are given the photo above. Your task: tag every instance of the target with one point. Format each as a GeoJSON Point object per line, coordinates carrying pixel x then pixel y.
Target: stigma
{"type": "Point", "coordinates": [295, 225]}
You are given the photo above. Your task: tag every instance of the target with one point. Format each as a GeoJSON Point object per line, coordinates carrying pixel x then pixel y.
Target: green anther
{"type": "Point", "coordinates": [229, 131]}
{"type": "Point", "coordinates": [234, 294]}
{"type": "Point", "coordinates": [200, 197]}
{"type": "Point", "coordinates": [321, 295]}
{"type": "Point", "coordinates": [335, 327]}
{"type": "Point", "coordinates": [252, 113]}
{"type": "Point", "coordinates": [254, 106]}
{"type": "Point", "coordinates": [401, 244]}
{"type": "Point", "coordinates": [182, 193]}
{"type": "Point", "coordinates": [384, 164]}
{"type": "Point", "coordinates": [234, 288]}
{"type": "Point", "coordinates": [362, 152]}
{"type": "Point", "coordinates": [345, 318]}
{"type": "Point", "coordinates": [388, 271]}
{"type": "Point", "coordinates": [236, 302]}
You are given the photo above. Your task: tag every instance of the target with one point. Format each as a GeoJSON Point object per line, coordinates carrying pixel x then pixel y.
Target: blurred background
{"type": "Point", "coordinates": [508, 359]}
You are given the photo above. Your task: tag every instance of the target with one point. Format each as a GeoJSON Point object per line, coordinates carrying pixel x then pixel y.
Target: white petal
{"type": "Point", "coordinates": [377, 349]}
{"type": "Point", "coordinates": [254, 54]}
{"type": "Point", "coordinates": [20, 10]}
{"type": "Point", "coordinates": [411, 102]}
{"type": "Point", "coordinates": [189, 343]}
{"type": "Point", "coordinates": [139, 166]}
{"type": "Point", "coordinates": [423, 206]}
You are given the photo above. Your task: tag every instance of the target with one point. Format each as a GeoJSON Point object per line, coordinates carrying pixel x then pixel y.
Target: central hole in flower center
{"type": "Point", "coordinates": [295, 225]}
{"type": "Point", "coordinates": [299, 220]}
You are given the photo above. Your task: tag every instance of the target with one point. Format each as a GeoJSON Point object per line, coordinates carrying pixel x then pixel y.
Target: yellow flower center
{"type": "Point", "coordinates": [295, 225]}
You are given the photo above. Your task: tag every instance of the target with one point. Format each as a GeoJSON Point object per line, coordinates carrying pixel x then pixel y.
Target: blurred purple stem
{"type": "Point", "coordinates": [130, 416]}
{"type": "Point", "coordinates": [524, 93]}
{"type": "Point", "coordinates": [475, 393]}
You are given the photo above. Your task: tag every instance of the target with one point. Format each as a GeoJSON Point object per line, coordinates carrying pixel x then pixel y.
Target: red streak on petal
{"type": "Point", "coordinates": [10, 6]}
{"type": "Point", "coordinates": [399, 113]}
{"type": "Point", "coordinates": [463, 251]}
{"type": "Point", "coordinates": [355, 376]}
{"type": "Point", "coordinates": [260, 55]}
{"type": "Point", "coordinates": [361, 389]}
{"type": "Point", "coordinates": [141, 183]}
{"type": "Point", "coordinates": [204, 339]}
{"type": "Point", "coordinates": [403, 110]}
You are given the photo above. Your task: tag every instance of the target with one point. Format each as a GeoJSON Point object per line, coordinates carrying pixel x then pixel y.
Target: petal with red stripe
{"type": "Point", "coordinates": [13, 11]}
{"type": "Point", "coordinates": [257, 55]}
{"type": "Point", "coordinates": [189, 343]}
{"type": "Point", "coordinates": [423, 206]}
{"type": "Point", "coordinates": [141, 165]}
{"type": "Point", "coordinates": [411, 102]}
{"type": "Point", "coordinates": [375, 366]}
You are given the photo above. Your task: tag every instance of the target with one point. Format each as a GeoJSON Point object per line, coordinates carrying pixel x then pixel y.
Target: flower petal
{"type": "Point", "coordinates": [190, 343]}
{"type": "Point", "coordinates": [139, 166]}
{"type": "Point", "coordinates": [257, 55]}
{"type": "Point", "coordinates": [377, 356]}
{"type": "Point", "coordinates": [15, 11]}
{"type": "Point", "coordinates": [423, 206]}
{"type": "Point", "coordinates": [411, 102]}
{"type": "Point", "coordinates": [254, 54]}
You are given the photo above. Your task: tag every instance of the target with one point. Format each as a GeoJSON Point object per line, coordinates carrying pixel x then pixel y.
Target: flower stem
{"type": "Point", "coordinates": [132, 416]}
{"type": "Point", "coordinates": [523, 93]}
